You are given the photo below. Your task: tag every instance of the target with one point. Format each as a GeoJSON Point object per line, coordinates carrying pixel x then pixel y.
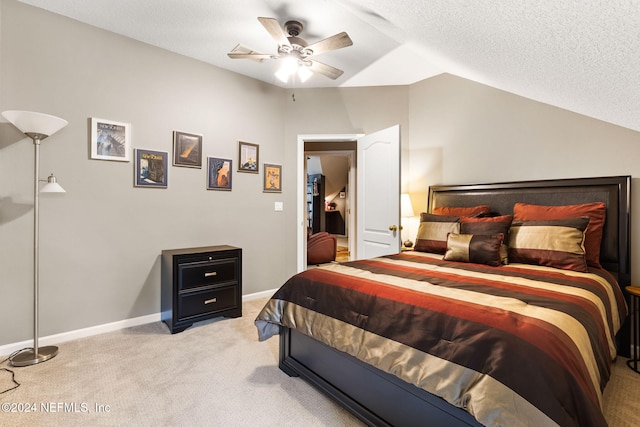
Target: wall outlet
{"type": "Point", "coordinates": [278, 206]}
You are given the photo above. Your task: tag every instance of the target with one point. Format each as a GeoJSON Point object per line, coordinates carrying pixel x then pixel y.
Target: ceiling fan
{"type": "Point", "coordinates": [296, 54]}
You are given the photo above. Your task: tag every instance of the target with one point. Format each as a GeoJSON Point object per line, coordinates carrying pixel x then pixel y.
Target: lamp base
{"type": "Point", "coordinates": [28, 358]}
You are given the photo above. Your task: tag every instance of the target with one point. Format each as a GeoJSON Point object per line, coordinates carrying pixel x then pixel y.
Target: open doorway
{"type": "Point", "coordinates": [325, 144]}
{"type": "Point", "coordinates": [329, 193]}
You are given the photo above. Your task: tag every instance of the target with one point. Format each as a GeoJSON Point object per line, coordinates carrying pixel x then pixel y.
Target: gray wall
{"type": "Point", "coordinates": [101, 240]}
{"type": "Point", "coordinates": [465, 132]}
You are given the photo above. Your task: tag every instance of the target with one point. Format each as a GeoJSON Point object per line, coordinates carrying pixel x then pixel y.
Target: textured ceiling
{"type": "Point", "coordinates": [581, 55]}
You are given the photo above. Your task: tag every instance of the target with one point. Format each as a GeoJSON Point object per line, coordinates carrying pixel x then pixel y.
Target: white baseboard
{"type": "Point", "coordinates": [80, 333]}
{"type": "Point", "coordinates": [258, 295]}
{"type": "Point", "coordinates": [107, 327]}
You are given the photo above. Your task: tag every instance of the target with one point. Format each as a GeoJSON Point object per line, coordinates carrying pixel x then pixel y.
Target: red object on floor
{"type": "Point", "coordinates": [321, 248]}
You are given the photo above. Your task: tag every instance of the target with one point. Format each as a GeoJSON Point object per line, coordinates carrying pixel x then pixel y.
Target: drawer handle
{"type": "Point", "coordinates": [213, 273]}
{"type": "Point", "coordinates": [209, 301]}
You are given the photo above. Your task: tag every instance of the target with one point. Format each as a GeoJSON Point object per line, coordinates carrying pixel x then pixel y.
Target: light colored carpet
{"type": "Point", "coordinates": [213, 374]}
{"type": "Point", "coordinates": [620, 396]}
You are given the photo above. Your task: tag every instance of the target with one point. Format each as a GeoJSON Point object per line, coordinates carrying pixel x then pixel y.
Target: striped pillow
{"type": "Point", "coordinates": [596, 212]}
{"type": "Point", "coordinates": [489, 226]}
{"type": "Point", "coordinates": [433, 231]}
{"type": "Point", "coordinates": [553, 243]}
{"type": "Point", "coordinates": [479, 249]}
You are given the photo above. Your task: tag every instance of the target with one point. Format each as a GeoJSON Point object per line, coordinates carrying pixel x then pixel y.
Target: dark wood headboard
{"type": "Point", "coordinates": [613, 191]}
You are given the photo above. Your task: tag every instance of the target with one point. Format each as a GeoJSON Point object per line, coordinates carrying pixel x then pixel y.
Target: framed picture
{"type": "Point", "coordinates": [151, 168]}
{"type": "Point", "coordinates": [272, 178]}
{"type": "Point", "coordinates": [110, 140]}
{"type": "Point", "coordinates": [248, 157]}
{"type": "Point", "coordinates": [219, 174]}
{"type": "Point", "coordinates": [187, 149]}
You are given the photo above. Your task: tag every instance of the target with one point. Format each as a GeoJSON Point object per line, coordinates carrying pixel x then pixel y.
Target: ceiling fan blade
{"type": "Point", "coordinates": [326, 70]}
{"type": "Point", "coordinates": [243, 52]}
{"type": "Point", "coordinates": [276, 31]}
{"type": "Point", "coordinates": [334, 42]}
{"type": "Point", "coordinates": [256, 56]}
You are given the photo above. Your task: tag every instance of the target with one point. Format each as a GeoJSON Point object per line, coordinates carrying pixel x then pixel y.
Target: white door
{"type": "Point", "coordinates": [378, 194]}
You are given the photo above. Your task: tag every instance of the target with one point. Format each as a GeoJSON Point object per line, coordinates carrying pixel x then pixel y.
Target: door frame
{"type": "Point", "coordinates": [301, 193]}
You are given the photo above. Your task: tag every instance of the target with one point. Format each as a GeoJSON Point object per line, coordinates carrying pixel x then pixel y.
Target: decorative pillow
{"type": "Point", "coordinates": [433, 230]}
{"type": "Point", "coordinates": [479, 249]}
{"type": "Point", "coordinates": [461, 211]}
{"type": "Point", "coordinates": [489, 226]}
{"type": "Point", "coordinates": [555, 243]}
{"type": "Point", "coordinates": [595, 211]}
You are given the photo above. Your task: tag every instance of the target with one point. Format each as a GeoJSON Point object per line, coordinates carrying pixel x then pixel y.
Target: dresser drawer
{"type": "Point", "coordinates": [195, 274]}
{"type": "Point", "coordinates": [198, 303]}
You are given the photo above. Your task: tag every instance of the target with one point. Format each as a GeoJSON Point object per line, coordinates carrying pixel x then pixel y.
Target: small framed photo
{"type": "Point", "coordinates": [248, 157]}
{"type": "Point", "coordinates": [272, 178]}
{"type": "Point", "coordinates": [219, 174]}
{"type": "Point", "coordinates": [151, 168]}
{"type": "Point", "coordinates": [187, 149]}
{"type": "Point", "coordinates": [110, 140]}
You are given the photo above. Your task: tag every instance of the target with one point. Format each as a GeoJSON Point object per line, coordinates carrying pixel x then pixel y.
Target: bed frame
{"type": "Point", "coordinates": [381, 399]}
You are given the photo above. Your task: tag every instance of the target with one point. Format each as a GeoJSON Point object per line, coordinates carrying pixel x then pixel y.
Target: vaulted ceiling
{"type": "Point", "coordinates": [581, 55]}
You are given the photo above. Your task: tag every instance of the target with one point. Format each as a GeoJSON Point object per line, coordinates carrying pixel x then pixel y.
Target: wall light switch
{"type": "Point", "coordinates": [278, 206]}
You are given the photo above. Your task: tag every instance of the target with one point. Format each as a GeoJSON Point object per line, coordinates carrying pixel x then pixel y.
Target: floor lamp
{"type": "Point", "coordinates": [36, 126]}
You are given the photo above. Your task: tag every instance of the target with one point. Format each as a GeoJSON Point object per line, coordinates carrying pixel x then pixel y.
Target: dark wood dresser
{"type": "Point", "coordinates": [199, 284]}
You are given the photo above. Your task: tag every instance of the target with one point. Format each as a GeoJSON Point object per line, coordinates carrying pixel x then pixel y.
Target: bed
{"type": "Point", "coordinates": [424, 338]}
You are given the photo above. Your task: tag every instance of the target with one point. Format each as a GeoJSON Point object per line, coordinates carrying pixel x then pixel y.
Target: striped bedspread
{"type": "Point", "coordinates": [512, 345]}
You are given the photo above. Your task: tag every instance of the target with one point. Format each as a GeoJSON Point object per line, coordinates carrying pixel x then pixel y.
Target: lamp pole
{"type": "Point", "coordinates": [36, 238]}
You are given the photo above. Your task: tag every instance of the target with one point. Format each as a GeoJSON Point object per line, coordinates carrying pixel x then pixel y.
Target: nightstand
{"type": "Point", "coordinates": [199, 284]}
{"type": "Point", "coordinates": [634, 292]}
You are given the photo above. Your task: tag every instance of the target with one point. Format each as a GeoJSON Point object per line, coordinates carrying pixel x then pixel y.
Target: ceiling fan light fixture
{"type": "Point", "coordinates": [304, 73]}
{"type": "Point", "coordinates": [288, 67]}
{"type": "Point", "coordinates": [282, 76]}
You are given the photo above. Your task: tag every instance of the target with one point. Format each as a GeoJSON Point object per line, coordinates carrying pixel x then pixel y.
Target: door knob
{"type": "Point", "coordinates": [393, 228]}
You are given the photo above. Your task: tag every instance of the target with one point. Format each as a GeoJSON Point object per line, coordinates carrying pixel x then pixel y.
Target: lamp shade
{"type": "Point", "coordinates": [31, 122]}
{"type": "Point", "coordinates": [406, 209]}
{"type": "Point", "coordinates": [52, 186]}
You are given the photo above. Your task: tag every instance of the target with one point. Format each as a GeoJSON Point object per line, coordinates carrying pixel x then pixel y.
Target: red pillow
{"type": "Point", "coordinates": [455, 211]}
{"type": "Point", "coordinates": [595, 211]}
